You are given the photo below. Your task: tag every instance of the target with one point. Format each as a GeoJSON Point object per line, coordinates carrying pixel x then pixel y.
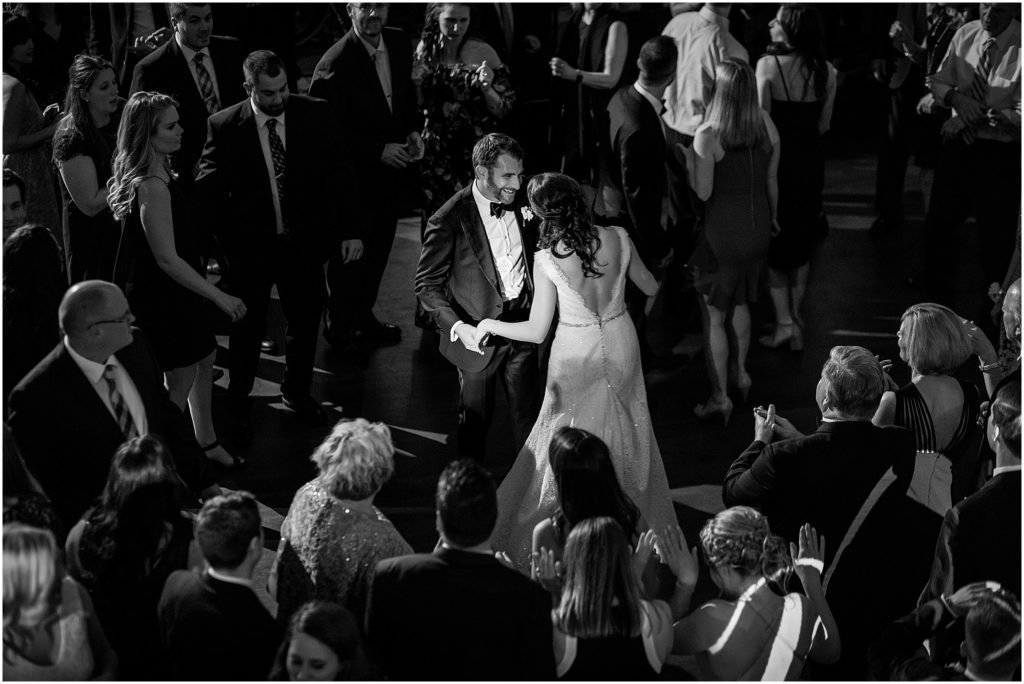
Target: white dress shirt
{"type": "Point", "coordinates": [703, 40]}
{"type": "Point", "coordinates": [1006, 469]}
{"type": "Point", "coordinates": [382, 63]}
{"type": "Point", "coordinates": [125, 386]}
{"type": "Point", "coordinates": [268, 157]}
{"type": "Point", "coordinates": [190, 55]}
{"type": "Point", "coordinates": [506, 245]}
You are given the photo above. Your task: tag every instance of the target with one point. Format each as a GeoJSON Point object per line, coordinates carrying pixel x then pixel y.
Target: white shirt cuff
{"type": "Point", "coordinates": [453, 336]}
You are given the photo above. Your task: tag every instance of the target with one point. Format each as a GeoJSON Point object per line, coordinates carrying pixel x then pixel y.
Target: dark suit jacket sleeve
{"type": "Point", "coordinates": [209, 186]}
{"type": "Point", "coordinates": [537, 659]}
{"type": "Point", "coordinates": [34, 434]}
{"type": "Point", "coordinates": [379, 612]}
{"type": "Point", "coordinates": [330, 84]}
{"type": "Point", "coordinates": [142, 78]}
{"type": "Point", "coordinates": [641, 187]}
{"type": "Point", "coordinates": [750, 479]}
{"type": "Point", "coordinates": [432, 272]}
{"type": "Point", "coordinates": [345, 183]}
{"type": "Point", "coordinates": [897, 654]}
{"type": "Point", "coordinates": [942, 579]}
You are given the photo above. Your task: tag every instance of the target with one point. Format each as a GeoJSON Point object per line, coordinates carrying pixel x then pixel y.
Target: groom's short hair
{"type": "Point", "coordinates": [493, 145]}
{"type": "Point", "coordinates": [467, 503]}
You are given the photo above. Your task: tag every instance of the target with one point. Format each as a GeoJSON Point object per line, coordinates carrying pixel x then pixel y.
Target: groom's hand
{"type": "Point", "coordinates": [470, 337]}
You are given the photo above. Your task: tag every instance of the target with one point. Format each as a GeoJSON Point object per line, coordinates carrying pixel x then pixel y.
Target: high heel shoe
{"type": "Point", "coordinates": [711, 408]}
{"type": "Point", "coordinates": [790, 333]}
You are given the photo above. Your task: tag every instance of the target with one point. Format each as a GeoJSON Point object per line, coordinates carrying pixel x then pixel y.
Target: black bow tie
{"type": "Point", "coordinates": [497, 209]}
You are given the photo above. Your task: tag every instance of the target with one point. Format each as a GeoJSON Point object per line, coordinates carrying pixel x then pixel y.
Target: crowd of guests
{"type": "Point", "coordinates": [162, 167]}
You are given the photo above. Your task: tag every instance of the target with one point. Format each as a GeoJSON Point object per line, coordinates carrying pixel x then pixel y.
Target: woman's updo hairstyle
{"type": "Point", "coordinates": [558, 202]}
{"type": "Point", "coordinates": [739, 538]}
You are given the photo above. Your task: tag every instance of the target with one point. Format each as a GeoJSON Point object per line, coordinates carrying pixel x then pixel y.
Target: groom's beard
{"type": "Point", "coordinates": [507, 196]}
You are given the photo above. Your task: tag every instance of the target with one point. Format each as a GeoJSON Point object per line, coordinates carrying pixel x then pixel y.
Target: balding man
{"type": "Point", "coordinates": [100, 386]}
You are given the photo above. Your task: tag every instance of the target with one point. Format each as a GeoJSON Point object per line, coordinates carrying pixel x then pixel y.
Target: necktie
{"type": "Point", "coordinates": [979, 84]}
{"type": "Point", "coordinates": [277, 152]}
{"type": "Point", "coordinates": [383, 75]}
{"type": "Point", "coordinates": [121, 413]}
{"type": "Point", "coordinates": [497, 209]}
{"type": "Point", "coordinates": [206, 84]}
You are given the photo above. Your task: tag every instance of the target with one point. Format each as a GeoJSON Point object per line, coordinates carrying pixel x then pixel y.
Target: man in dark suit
{"type": "Point", "coordinates": [212, 624]}
{"type": "Point", "coordinates": [99, 387]}
{"type": "Point", "coordinates": [636, 168]}
{"type": "Point", "coordinates": [125, 32]}
{"type": "Point", "coordinates": [825, 477]}
{"type": "Point", "coordinates": [459, 612]}
{"type": "Point", "coordinates": [199, 70]}
{"type": "Point", "coordinates": [367, 78]}
{"type": "Point", "coordinates": [477, 262]}
{"type": "Point", "coordinates": [275, 177]}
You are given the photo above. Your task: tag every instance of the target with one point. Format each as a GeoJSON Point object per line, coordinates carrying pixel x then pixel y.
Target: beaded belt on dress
{"type": "Point", "coordinates": [601, 321]}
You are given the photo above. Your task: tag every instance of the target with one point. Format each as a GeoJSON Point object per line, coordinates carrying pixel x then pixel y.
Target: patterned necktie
{"type": "Point", "coordinates": [979, 84]}
{"type": "Point", "coordinates": [121, 413]}
{"type": "Point", "coordinates": [206, 84]}
{"type": "Point", "coordinates": [277, 152]}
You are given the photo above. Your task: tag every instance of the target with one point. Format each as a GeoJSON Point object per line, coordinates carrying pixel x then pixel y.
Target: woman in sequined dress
{"type": "Point", "coordinates": [333, 535]}
{"type": "Point", "coordinates": [594, 379]}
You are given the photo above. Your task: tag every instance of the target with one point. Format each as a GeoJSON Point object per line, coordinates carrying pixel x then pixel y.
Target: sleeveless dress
{"type": "Point", "coordinates": [729, 257]}
{"type": "Point", "coordinates": [176, 319]}
{"type": "Point", "coordinates": [613, 658]}
{"type": "Point", "coordinates": [595, 383]}
{"type": "Point", "coordinates": [90, 242]}
{"type": "Point", "coordinates": [801, 180]}
{"type": "Point", "coordinates": [75, 660]}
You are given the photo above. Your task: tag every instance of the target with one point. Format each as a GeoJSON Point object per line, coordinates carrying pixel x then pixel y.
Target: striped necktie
{"type": "Point", "coordinates": [206, 84]}
{"type": "Point", "coordinates": [277, 153]}
{"type": "Point", "coordinates": [979, 84]}
{"type": "Point", "coordinates": [121, 413]}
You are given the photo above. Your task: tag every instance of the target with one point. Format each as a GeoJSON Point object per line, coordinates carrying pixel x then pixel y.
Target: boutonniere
{"type": "Point", "coordinates": [527, 213]}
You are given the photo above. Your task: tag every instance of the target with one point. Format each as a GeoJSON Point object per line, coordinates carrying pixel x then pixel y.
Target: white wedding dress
{"type": "Point", "coordinates": [595, 383]}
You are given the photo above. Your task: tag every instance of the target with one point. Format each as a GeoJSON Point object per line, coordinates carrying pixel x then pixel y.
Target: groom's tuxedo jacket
{"type": "Point", "coordinates": [457, 280]}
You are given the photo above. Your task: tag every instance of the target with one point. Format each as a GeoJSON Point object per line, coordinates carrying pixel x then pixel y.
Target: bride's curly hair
{"type": "Point", "coordinates": [557, 200]}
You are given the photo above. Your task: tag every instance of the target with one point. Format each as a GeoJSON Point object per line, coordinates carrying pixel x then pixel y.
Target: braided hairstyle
{"type": "Point", "coordinates": [739, 538]}
{"type": "Point", "coordinates": [557, 200]}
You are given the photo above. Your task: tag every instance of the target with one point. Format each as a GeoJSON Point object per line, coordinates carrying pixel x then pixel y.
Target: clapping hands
{"type": "Point", "coordinates": [672, 550]}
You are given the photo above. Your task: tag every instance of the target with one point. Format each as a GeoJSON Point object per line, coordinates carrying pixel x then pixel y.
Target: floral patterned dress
{"type": "Point", "coordinates": [455, 117]}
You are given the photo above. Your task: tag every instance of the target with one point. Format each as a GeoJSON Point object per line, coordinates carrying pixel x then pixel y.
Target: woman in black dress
{"type": "Point", "coordinates": [159, 253]}
{"type": "Point", "coordinates": [83, 149]}
{"type": "Point", "coordinates": [797, 87]}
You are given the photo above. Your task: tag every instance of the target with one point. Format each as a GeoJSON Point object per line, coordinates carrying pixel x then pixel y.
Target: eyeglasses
{"type": "Point", "coordinates": [126, 317]}
{"type": "Point", "coordinates": [371, 7]}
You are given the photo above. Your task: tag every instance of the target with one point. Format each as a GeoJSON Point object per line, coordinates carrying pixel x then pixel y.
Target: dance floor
{"type": "Point", "coordinates": [858, 289]}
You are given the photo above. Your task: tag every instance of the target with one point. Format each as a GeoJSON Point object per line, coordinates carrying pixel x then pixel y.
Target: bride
{"type": "Point", "coordinates": [594, 378]}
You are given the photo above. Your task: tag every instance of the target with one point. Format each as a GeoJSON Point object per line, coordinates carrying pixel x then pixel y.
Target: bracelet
{"type": "Point", "coordinates": [811, 562]}
{"type": "Point", "coordinates": [989, 367]}
{"type": "Point", "coordinates": [579, 76]}
{"type": "Point", "coordinates": [945, 604]}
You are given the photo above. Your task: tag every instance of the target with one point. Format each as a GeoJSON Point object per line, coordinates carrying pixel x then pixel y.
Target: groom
{"type": "Point", "coordinates": [476, 263]}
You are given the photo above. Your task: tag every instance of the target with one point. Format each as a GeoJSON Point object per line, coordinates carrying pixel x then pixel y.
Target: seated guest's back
{"type": "Point", "coordinates": [50, 628]}
{"type": "Point", "coordinates": [603, 629]}
{"type": "Point", "coordinates": [322, 644]}
{"type": "Point", "coordinates": [459, 613]}
{"type": "Point", "coordinates": [333, 535]}
{"type": "Point", "coordinates": [212, 623]}
{"type": "Point", "coordinates": [24, 500]}
{"type": "Point", "coordinates": [126, 546]}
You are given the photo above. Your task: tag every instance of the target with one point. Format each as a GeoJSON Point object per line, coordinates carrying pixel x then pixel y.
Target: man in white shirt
{"type": "Point", "coordinates": [98, 388]}
{"type": "Point", "coordinates": [199, 70]}
{"type": "Point", "coordinates": [476, 263]}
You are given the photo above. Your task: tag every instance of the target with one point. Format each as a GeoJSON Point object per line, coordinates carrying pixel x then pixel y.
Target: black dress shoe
{"type": "Point", "coordinates": [307, 408]}
{"type": "Point", "coordinates": [269, 346]}
{"type": "Point", "coordinates": [380, 333]}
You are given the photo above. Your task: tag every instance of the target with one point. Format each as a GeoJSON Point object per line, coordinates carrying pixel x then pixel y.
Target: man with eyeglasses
{"type": "Point", "coordinates": [367, 78]}
{"type": "Point", "coordinates": [99, 387]}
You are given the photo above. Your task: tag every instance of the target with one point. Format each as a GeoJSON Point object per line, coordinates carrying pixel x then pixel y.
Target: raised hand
{"type": "Point", "coordinates": [890, 384]}
{"type": "Point", "coordinates": [671, 548]}
{"type": "Point", "coordinates": [546, 570]}
{"type": "Point", "coordinates": [809, 555]}
{"type": "Point", "coordinates": [351, 250]}
{"type": "Point", "coordinates": [485, 75]}
{"type": "Point", "coordinates": [764, 424]}
{"type": "Point", "coordinates": [961, 600]}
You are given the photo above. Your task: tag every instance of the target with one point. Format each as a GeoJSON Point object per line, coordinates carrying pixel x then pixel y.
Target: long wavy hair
{"type": "Point", "coordinates": [139, 122]}
{"type": "Point", "coordinates": [739, 538]}
{"type": "Point", "coordinates": [734, 113]}
{"type": "Point", "coordinates": [433, 41]}
{"type": "Point", "coordinates": [143, 494]}
{"type": "Point", "coordinates": [32, 575]}
{"type": "Point", "coordinates": [82, 73]}
{"type": "Point", "coordinates": [805, 38]}
{"type": "Point", "coordinates": [587, 484]}
{"type": "Point", "coordinates": [600, 595]}
{"type": "Point", "coordinates": [558, 202]}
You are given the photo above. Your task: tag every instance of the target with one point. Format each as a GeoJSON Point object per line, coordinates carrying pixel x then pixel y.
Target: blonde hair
{"type": "Point", "coordinates": [935, 340]}
{"type": "Point", "coordinates": [32, 578]}
{"type": "Point", "coordinates": [134, 149]}
{"type": "Point", "coordinates": [356, 459]}
{"type": "Point", "coordinates": [734, 113]}
{"type": "Point", "coordinates": [739, 538]}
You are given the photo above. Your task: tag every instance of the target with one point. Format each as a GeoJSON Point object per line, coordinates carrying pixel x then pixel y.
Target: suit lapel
{"type": "Point", "coordinates": [184, 73]}
{"type": "Point", "coordinates": [84, 397]}
{"type": "Point", "coordinates": [370, 73]}
{"type": "Point", "coordinates": [476, 234]}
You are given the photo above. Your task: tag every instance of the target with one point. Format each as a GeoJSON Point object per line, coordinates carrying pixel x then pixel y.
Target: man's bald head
{"type": "Point", "coordinates": [1011, 310]}
{"type": "Point", "coordinates": [83, 303]}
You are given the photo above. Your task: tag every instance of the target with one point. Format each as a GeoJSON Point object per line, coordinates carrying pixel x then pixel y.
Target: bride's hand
{"type": "Point", "coordinates": [485, 326]}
